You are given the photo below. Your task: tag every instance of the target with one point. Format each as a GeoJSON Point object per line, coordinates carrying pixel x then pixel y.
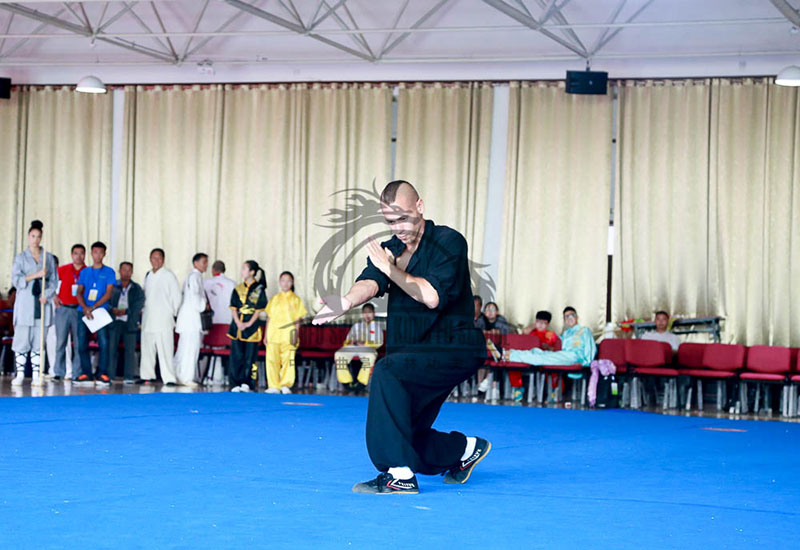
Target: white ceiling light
{"type": "Point", "coordinates": [790, 76]}
{"type": "Point", "coordinates": [90, 85]}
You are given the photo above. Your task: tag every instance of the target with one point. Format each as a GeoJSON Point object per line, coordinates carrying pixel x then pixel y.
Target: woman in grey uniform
{"type": "Point", "coordinates": [32, 302]}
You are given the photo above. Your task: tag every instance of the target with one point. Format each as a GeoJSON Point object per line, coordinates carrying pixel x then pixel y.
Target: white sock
{"type": "Point", "coordinates": [402, 472]}
{"type": "Point", "coordinates": [471, 441]}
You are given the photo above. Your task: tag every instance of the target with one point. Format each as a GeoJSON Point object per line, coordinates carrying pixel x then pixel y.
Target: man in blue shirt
{"type": "Point", "coordinates": [95, 287]}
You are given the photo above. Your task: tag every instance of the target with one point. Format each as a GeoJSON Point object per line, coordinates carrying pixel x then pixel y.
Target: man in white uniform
{"type": "Point", "coordinates": [189, 325]}
{"type": "Point", "coordinates": [218, 290]}
{"type": "Point", "coordinates": [162, 300]}
{"type": "Point", "coordinates": [661, 334]}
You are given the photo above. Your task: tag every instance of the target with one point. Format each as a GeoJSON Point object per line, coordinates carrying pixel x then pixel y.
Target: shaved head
{"type": "Point", "coordinates": [402, 208]}
{"type": "Point", "coordinates": [399, 191]}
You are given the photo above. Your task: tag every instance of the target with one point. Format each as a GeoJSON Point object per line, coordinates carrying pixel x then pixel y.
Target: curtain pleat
{"type": "Point", "coordinates": [557, 192]}
{"type": "Point", "coordinates": [443, 142]}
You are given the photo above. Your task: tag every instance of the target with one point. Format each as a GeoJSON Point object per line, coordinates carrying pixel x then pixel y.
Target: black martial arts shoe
{"type": "Point", "coordinates": [461, 472]}
{"type": "Point", "coordinates": [386, 484]}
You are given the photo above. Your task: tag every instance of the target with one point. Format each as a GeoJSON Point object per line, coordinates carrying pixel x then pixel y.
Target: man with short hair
{"type": "Point", "coordinates": [95, 287]}
{"type": "Point", "coordinates": [189, 325]}
{"type": "Point", "coordinates": [162, 300]}
{"type": "Point", "coordinates": [661, 334]}
{"type": "Point", "coordinates": [219, 289]}
{"type": "Point", "coordinates": [68, 317]}
{"type": "Point", "coordinates": [363, 341]}
{"type": "Point", "coordinates": [432, 346]}
{"type": "Point", "coordinates": [127, 302]}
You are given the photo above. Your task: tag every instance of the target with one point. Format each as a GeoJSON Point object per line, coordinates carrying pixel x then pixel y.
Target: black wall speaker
{"type": "Point", "coordinates": [5, 88]}
{"type": "Point", "coordinates": [587, 82]}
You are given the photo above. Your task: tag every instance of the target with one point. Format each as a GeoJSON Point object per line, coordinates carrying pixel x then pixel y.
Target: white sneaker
{"type": "Point", "coordinates": [18, 379]}
{"type": "Point", "coordinates": [273, 390]}
{"type": "Point", "coordinates": [483, 387]}
{"type": "Point", "coordinates": [237, 389]}
{"type": "Point", "coordinates": [244, 388]}
{"type": "Point", "coordinates": [286, 390]}
{"type": "Point", "coordinates": [36, 380]}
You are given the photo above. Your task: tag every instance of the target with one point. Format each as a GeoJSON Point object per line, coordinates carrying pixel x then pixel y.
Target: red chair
{"type": "Point", "coordinates": [512, 341]}
{"type": "Point", "coordinates": [613, 349]}
{"type": "Point", "coordinates": [716, 362]}
{"type": "Point", "coordinates": [767, 365]}
{"type": "Point", "coordinates": [320, 343]}
{"type": "Point", "coordinates": [651, 358]}
{"type": "Point", "coordinates": [794, 378]}
{"type": "Point", "coordinates": [216, 345]}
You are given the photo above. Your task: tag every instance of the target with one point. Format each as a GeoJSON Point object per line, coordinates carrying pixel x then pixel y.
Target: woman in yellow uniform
{"type": "Point", "coordinates": [284, 312]}
{"type": "Point", "coordinates": [248, 300]}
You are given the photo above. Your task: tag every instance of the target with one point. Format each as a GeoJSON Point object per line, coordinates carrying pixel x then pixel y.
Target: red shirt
{"type": "Point", "coordinates": [68, 276]}
{"type": "Point", "coordinates": [548, 338]}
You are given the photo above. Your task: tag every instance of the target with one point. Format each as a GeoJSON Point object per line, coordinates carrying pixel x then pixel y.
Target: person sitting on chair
{"type": "Point", "coordinates": [363, 341]}
{"type": "Point", "coordinates": [548, 341]}
{"type": "Point", "coordinates": [661, 333]}
{"type": "Point", "coordinates": [577, 346]}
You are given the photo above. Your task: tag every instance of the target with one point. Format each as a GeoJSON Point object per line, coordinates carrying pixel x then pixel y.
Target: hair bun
{"type": "Point", "coordinates": [36, 224]}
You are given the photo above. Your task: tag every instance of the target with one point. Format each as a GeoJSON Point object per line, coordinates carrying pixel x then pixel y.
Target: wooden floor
{"type": "Point", "coordinates": [50, 388]}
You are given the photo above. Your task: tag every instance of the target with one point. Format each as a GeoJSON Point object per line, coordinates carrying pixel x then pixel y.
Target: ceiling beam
{"type": "Point", "coordinates": [299, 29]}
{"type": "Point", "coordinates": [316, 21]}
{"type": "Point", "coordinates": [788, 11]}
{"type": "Point", "coordinates": [80, 30]}
{"type": "Point", "coordinates": [533, 24]}
{"type": "Point", "coordinates": [612, 19]}
{"type": "Point", "coordinates": [558, 15]}
{"type": "Point", "coordinates": [419, 22]}
{"type": "Point", "coordinates": [611, 36]}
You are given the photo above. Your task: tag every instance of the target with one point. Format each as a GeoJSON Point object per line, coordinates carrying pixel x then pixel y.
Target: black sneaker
{"type": "Point", "coordinates": [170, 384]}
{"type": "Point", "coordinates": [386, 484]}
{"type": "Point", "coordinates": [145, 382]}
{"type": "Point", "coordinates": [461, 472]}
{"type": "Point", "coordinates": [57, 378]}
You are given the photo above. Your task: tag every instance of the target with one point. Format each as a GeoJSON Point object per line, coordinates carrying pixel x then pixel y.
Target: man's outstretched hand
{"type": "Point", "coordinates": [333, 308]}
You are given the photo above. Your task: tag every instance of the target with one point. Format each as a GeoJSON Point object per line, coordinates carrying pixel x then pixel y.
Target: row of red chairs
{"type": "Point", "coordinates": [716, 361]}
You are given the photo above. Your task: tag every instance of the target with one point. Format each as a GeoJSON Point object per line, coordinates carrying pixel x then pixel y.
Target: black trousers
{"type": "Point", "coordinates": [119, 331]}
{"type": "Point", "coordinates": [243, 360]}
{"type": "Point", "coordinates": [406, 392]}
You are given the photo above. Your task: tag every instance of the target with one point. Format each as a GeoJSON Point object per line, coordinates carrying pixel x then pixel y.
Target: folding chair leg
{"type": "Point", "coordinates": [584, 388]}
{"type": "Point", "coordinates": [756, 408]}
{"type": "Point", "coordinates": [531, 386]}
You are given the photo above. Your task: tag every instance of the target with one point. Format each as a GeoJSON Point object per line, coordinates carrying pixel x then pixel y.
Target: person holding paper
{"type": "Point", "coordinates": [95, 287]}
{"type": "Point", "coordinates": [162, 300]}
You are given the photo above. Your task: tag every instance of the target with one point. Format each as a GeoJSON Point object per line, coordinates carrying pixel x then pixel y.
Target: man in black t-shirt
{"type": "Point", "coordinates": [431, 342]}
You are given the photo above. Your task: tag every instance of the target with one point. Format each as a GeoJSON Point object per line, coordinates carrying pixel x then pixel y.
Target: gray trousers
{"type": "Point", "coordinates": [67, 319]}
{"type": "Point", "coordinates": [119, 329]}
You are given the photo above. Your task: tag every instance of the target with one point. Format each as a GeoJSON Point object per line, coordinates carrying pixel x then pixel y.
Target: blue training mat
{"type": "Point", "coordinates": [274, 471]}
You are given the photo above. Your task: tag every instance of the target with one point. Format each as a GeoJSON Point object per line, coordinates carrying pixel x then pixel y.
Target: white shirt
{"type": "Point", "coordinates": [123, 302]}
{"type": "Point", "coordinates": [162, 300]}
{"type": "Point", "coordinates": [669, 337]}
{"type": "Point", "coordinates": [219, 290]}
{"type": "Point", "coordinates": [360, 332]}
{"type": "Point", "coordinates": [194, 301]}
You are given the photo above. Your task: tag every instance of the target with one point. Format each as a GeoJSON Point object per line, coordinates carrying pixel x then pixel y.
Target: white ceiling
{"type": "Point", "coordinates": [296, 40]}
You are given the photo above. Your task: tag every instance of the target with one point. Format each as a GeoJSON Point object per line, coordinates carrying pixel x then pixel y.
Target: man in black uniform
{"type": "Point", "coordinates": [431, 343]}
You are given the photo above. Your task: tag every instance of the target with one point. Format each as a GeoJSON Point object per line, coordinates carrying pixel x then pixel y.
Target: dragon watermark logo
{"type": "Point", "coordinates": [362, 211]}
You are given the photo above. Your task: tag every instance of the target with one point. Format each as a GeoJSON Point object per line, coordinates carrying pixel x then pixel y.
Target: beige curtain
{"type": "Point", "coordinates": [555, 221]}
{"type": "Point", "coordinates": [292, 155]}
{"type": "Point", "coordinates": [170, 173]}
{"type": "Point", "coordinates": [661, 220]}
{"type": "Point", "coordinates": [12, 164]}
{"type": "Point", "coordinates": [60, 150]}
{"type": "Point", "coordinates": [250, 172]}
{"type": "Point", "coordinates": [755, 204]}
{"type": "Point", "coordinates": [443, 141]}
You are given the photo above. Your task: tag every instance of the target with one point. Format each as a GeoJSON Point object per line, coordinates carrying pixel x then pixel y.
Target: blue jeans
{"type": "Point", "coordinates": [103, 338]}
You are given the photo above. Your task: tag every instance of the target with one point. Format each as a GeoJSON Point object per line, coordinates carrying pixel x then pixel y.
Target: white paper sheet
{"type": "Point", "coordinates": [100, 319]}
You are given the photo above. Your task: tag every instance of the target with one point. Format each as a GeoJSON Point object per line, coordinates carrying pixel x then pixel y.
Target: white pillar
{"type": "Point", "coordinates": [118, 122]}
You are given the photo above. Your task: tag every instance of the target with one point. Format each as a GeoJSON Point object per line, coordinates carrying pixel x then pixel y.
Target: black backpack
{"type": "Point", "coordinates": [607, 392]}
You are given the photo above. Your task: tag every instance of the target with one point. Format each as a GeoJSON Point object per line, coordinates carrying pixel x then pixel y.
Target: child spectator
{"type": "Point", "coordinates": [247, 301]}
{"type": "Point", "coordinates": [284, 312]}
